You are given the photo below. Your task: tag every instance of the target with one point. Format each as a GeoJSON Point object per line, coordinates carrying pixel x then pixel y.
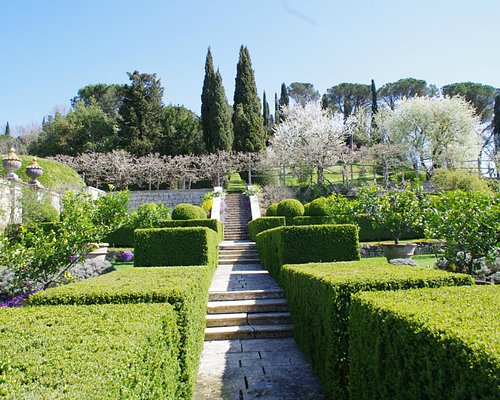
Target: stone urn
{"type": "Point", "coordinates": [99, 254]}
{"type": "Point", "coordinates": [34, 171]}
{"type": "Point", "coordinates": [400, 250]}
{"type": "Point", "coordinates": [11, 163]}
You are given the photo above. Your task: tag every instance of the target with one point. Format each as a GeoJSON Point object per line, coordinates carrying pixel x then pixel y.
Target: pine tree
{"type": "Point", "coordinates": [248, 125]}
{"type": "Point", "coordinates": [141, 114]}
{"type": "Point", "coordinates": [207, 102]}
{"type": "Point", "coordinates": [7, 129]}
{"type": "Point", "coordinates": [284, 99]}
{"type": "Point", "coordinates": [221, 125]}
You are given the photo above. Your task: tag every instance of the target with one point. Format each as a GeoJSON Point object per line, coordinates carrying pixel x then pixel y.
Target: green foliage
{"type": "Point", "coordinates": [289, 208]}
{"type": "Point", "coordinates": [470, 224]}
{"type": "Point", "coordinates": [321, 322]}
{"type": "Point", "coordinates": [36, 210]}
{"type": "Point", "coordinates": [188, 211]}
{"type": "Point", "coordinates": [40, 258]}
{"type": "Point", "coordinates": [141, 114]}
{"type": "Point", "coordinates": [370, 232]}
{"type": "Point", "coordinates": [482, 97]}
{"type": "Point", "coordinates": [272, 210]}
{"type": "Point", "coordinates": [107, 97]}
{"type": "Point", "coordinates": [303, 93]}
{"type": "Point", "coordinates": [399, 212]}
{"type": "Point", "coordinates": [181, 132]}
{"type": "Point", "coordinates": [248, 125]}
{"type": "Point", "coordinates": [149, 215]}
{"type": "Point", "coordinates": [408, 88]}
{"type": "Point", "coordinates": [264, 223]}
{"type": "Point", "coordinates": [213, 224]}
{"type": "Point", "coordinates": [340, 208]}
{"type": "Point", "coordinates": [308, 220]}
{"type": "Point", "coordinates": [409, 176]}
{"type": "Point", "coordinates": [427, 343]}
{"type": "Point", "coordinates": [56, 176]}
{"type": "Point", "coordinates": [186, 288]}
{"type": "Point", "coordinates": [316, 208]}
{"type": "Point", "coordinates": [302, 244]}
{"type": "Point", "coordinates": [447, 179]}
{"type": "Point", "coordinates": [107, 351]}
{"type": "Point", "coordinates": [175, 246]}
{"type": "Point", "coordinates": [86, 128]}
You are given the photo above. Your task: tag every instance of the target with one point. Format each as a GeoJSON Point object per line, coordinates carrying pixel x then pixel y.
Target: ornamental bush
{"type": "Point", "coordinates": [289, 208]}
{"type": "Point", "coordinates": [149, 215]}
{"type": "Point", "coordinates": [188, 211]}
{"type": "Point", "coordinates": [319, 297]}
{"type": "Point", "coordinates": [271, 210]}
{"type": "Point", "coordinates": [316, 208]}
{"type": "Point", "coordinates": [425, 344]}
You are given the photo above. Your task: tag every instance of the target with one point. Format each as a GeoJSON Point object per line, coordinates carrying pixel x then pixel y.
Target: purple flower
{"type": "Point", "coordinates": [17, 300]}
{"type": "Point", "coordinates": [73, 259]}
{"type": "Point", "coordinates": [126, 256]}
{"type": "Point", "coordinates": [223, 207]}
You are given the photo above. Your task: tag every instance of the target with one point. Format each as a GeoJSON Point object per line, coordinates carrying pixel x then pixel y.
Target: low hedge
{"type": "Point", "coordinates": [124, 236]}
{"type": "Point", "coordinates": [186, 288]}
{"type": "Point", "coordinates": [312, 243]}
{"type": "Point", "coordinates": [319, 297]}
{"type": "Point", "coordinates": [310, 220]}
{"type": "Point", "coordinates": [369, 233]}
{"type": "Point", "coordinates": [175, 247]}
{"type": "Point", "coordinates": [90, 352]}
{"type": "Point", "coordinates": [426, 344]}
{"type": "Point", "coordinates": [264, 223]}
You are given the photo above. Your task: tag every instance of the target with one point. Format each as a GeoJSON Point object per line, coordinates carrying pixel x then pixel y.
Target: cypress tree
{"type": "Point", "coordinates": [284, 98]}
{"type": "Point", "coordinates": [276, 109]}
{"type": "Point", "coordinates": [266, 113]}
{"type": "Point", "coordinates": [496, 129]}
{"type": "Point", "coordinates": [248, 125]}
{"type": "Point", "coordinates": [221, 126]}
{"type": "Point", "coordinates": [373, 90]}
{"type": "Point", "coordinates": [207, 101]}
{"type": "Point", "coordinates": [7, 129]}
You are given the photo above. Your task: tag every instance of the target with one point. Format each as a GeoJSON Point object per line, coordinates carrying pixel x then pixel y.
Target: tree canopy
{"type": "Point", "coordinates": [407, 88]}
{"type": "Point", "coordinates": [482, 97]}
{"type": "Point", "coordinates": [303, 93]}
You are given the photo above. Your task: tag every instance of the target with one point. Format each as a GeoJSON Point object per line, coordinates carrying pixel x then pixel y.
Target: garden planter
{"type": "Point", "coordinates": [392, 250]}
{"type": "Point", "coordinates": [99, 254]}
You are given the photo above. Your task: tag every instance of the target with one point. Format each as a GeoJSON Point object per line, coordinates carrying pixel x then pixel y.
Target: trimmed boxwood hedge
{"type": "Point", "coordinates": [289, 208]}
{"type": "Point", "coordinates": [175, 247]}
{"type": "Point", "coordinates": [316, 208]}
{"type": "Point", "coordinates": [310, 220]}
{"type": "Point", "coordinates": [426, 344]}
{"type": "Point", "coordinates": [369, 233]}
{"type": "Point", "coordinates": [124, 236]}
{"type": "Point", "coordinates": [301, 244]}
{"type": "Point", "coordinates": [91, 352]}
{"type": "Point", "coordinates": [264, 223]}
{"type": "Point", "coordinates": [186, 288]}
{"type": "Point", "coordinates": [319, 297]}
{"type": "Point", "coordinates": [271, 210]}
{"type": "Point", "coordinates": [185, 211]}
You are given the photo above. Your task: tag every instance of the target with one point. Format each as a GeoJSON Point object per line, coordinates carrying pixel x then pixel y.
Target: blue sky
{"type": "Point", "coordinates": [50, 49]}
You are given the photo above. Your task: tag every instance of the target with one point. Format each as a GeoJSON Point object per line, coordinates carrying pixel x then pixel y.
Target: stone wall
{"type": "Point", "coordinates": [169, 197]}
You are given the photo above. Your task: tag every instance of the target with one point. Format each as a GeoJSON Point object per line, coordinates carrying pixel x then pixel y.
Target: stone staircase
{"type": "Point", "coordinates": [244, 300]}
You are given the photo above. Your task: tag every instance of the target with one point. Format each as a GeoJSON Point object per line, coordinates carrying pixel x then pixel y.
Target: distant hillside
{"type": "Point", "coordinates": [56, 176]}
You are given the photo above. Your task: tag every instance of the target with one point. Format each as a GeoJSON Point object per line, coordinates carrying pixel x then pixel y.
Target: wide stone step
{"type": "Point", "coordinates": [238, 319]}
{"type": "Point", "coordinates": [246, 295]}
{"type": "Point", "coordinates": [232, 261]}
{"type": "Point", "coordinates": [248, 332]}
{"type": "Point", "coordinates": [254, 305]}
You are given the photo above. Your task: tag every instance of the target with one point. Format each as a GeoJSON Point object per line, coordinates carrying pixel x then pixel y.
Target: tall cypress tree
{"type": "Point", "coordinates": [221, 126]}
{"type": "Point", "coordinates": [266, 113]}
{"type": "Point", "coordinates": [284, 99]}
{"type": "Point", "coordinates": [276, 109]}
{"type": "Point", "coordinates": [496, 129]}
{"type": "Point", "coordinates": [207, 102]}
{"type": "Point", "coordinates": [373, 90]}
{"type": "Point", "coordinates": [7, 129]}
{"type": "Point", "coordinates": [248, 125]}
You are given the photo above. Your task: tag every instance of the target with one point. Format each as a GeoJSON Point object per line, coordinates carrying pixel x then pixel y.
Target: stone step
{"type": "Point", "coordinates": [232, 261]}
{"type": "Point", "coordinates": [238, 253]}
{"type": "Point", "coordinates": [253, 305]}
{"type": "Point", "coordinates": [236, 319]}
{"type": "Point", "coordinates": [246, 295]}
{"type": "Point", "coordinates": [249, 332]}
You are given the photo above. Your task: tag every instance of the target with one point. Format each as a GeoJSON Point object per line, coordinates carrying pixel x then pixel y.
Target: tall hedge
{"type": "Point", "coordinates": [426, 344]}
{"type": "Point", "coordinates": [312, 243]}
{"type": "Point", "coordinates": [175, 247]}
{"type": "Point", "coordinates": [90, 352]}
{"type": "Point", "coordinates": [185, 288]}
{"type": "Point", "coordinates": [262, 224]}
{"type": "Point", "coordinates": [319, 297]}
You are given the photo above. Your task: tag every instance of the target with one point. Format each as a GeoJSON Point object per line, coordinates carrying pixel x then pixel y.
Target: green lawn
{"type": "Point", "coordinates": [424, 260]}
{"type": "Point", "coordinates": [123, 265]}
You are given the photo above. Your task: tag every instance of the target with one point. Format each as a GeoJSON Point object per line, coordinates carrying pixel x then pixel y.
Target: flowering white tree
{"type": "Point", "coordinates": [309, 135]}
{"type": "Point", "coordinates": [439, 132]}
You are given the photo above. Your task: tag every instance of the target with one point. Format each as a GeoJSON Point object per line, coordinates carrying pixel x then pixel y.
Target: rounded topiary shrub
{"type": "Point", "coordinates": [290, 208]}
{"type": "Point", "coordinates": [271, 210]}
{"type": "Point", "coordinates": [188, 211]}
{"type": "Point", "coordinates": [316, 208]}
